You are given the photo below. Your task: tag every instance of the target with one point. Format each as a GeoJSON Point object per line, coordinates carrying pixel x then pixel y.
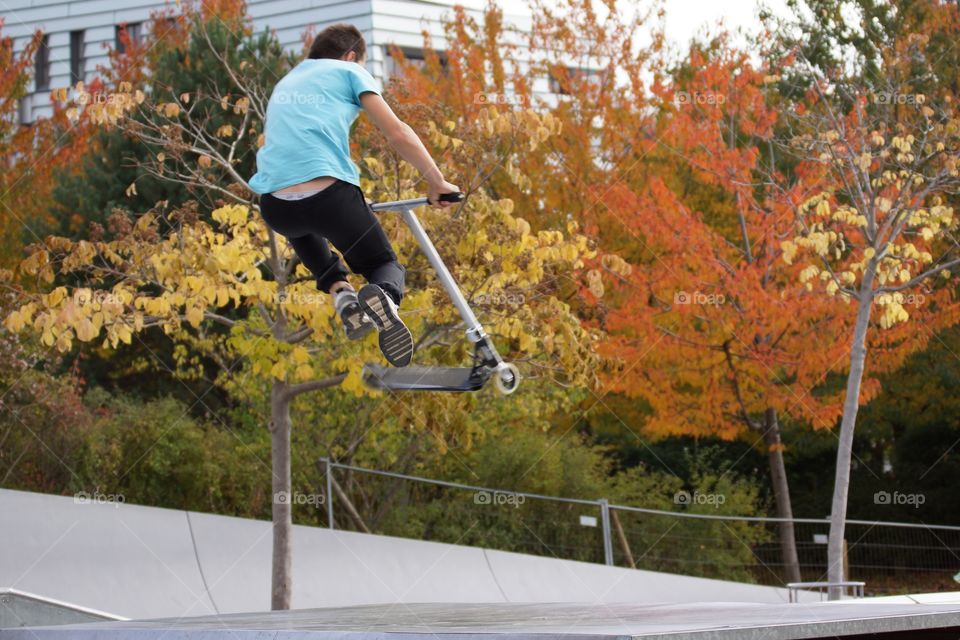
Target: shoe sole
{"type": "Point", "coordinates": [396, 341]}
{"type": "Point", "coordinates": [353, 323]}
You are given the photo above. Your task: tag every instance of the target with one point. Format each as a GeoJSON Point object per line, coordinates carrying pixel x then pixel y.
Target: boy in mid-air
{"type": "Point", "coordinates": [310, 188]}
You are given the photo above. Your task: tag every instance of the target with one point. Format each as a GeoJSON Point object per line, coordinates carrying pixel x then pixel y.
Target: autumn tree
{"type": "Point", "coordinates": [30, 156]}
{"type": "Point", "coordinates": [881, 232]}
{"type": "Point", "coordinates": [716, 334]}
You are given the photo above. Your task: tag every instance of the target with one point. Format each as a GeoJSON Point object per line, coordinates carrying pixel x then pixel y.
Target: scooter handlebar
{"type": "Point", "coordinates": [400, 205]}
{"type": "Point", "coordinates": [455, 196]}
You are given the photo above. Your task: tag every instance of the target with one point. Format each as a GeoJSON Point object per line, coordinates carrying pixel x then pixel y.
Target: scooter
{"type": "Point", "coordinates": [487, 362]}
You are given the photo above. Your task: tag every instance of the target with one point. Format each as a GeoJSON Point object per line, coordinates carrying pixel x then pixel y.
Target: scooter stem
{"type": "Point", "coordinates": [475, 332]}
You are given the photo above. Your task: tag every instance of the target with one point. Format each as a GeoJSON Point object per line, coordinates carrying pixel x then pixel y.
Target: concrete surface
{"type": "Point", "coordinates": [144, 562]}
{"type": "Point", "coordinates": [21, 609]}
{"type": "Point", "coordinates": [506, 621]}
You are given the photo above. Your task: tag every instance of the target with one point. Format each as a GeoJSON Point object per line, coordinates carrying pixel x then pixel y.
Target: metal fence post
{"type": "Point", "coordinates": [607, 540]}
{"type": "Point", "coordinates": [329, 492]}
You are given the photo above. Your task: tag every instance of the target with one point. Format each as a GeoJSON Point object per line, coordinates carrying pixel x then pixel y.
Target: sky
{"type": "Point", "coordinates": [686, 18]}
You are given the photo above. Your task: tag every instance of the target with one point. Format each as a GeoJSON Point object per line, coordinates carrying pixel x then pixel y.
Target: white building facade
{"type": "Point", "coordinates": [79, 33]}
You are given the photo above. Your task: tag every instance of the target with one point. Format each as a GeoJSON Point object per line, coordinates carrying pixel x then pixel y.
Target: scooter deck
{"type": "Point", "coordinates": [423, 378]}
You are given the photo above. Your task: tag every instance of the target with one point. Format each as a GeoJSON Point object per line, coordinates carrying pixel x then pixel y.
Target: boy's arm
{"type": "Point", "coordinates": [403, 138]}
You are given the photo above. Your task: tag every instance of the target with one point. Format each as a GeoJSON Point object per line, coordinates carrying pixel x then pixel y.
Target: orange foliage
{"type": "Point", "coordinates": [30, 155]}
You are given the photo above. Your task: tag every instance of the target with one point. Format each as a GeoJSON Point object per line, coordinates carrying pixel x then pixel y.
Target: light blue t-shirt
{"type": "Point", "coordinates": [308, 124]}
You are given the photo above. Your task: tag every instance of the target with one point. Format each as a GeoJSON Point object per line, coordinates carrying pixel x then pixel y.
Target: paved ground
{"type": "Point", "coordinates": [506, 621]}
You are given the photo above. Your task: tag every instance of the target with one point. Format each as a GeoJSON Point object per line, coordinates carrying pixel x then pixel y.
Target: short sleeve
{"type": "Point", "coordinates": [361, 82]}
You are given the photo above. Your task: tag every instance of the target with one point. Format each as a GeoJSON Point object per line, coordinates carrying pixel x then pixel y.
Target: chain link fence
{"type": "Point", "coordinates": [890, 557]}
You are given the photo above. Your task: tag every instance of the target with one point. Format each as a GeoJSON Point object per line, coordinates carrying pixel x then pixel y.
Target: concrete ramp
{"type": "Point", "coordinates": [508, 621]}
{"type": "Point", "coordinates": [144, 562]}
{"type": "Point", "coordinates": [21, 609]}
{"type": "Point", "coordinates": [124, 559]}
{"type": "Point", "coordinates": [336, 568]}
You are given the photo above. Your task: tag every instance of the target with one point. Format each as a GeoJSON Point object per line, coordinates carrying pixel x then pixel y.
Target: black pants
{"type": "Point", "coordinates": [339, 214]}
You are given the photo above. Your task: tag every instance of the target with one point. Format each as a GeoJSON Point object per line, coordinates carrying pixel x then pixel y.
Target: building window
{"type": "Point", "coordinates": [413, 56]}
{"type": "Point", "coordinates": [25, 110]}
{"type": "Point", "coordinates": [562, 82]}
{"type": "Point", "coordinates": [77, 61]}
{"type": "Point", "coordinates": [42, 72]}
{"type": "Point", "coordinates": [134, 31]}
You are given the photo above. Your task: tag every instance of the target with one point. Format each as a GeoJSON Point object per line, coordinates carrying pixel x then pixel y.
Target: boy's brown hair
{"type": "Point", "coordinates": [338, 40]}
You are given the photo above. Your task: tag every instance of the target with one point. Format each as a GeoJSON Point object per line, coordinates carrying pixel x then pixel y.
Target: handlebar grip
{"type": "Point", "coordinates": [456, 196]}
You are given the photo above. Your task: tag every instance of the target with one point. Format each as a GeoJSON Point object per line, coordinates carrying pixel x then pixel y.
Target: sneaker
{"type": "Point", "coordinates": [355, 321]}
{"type": "Point", "coordinates": [396, 341]}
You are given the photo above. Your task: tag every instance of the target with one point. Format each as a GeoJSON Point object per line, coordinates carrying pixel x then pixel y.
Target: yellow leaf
{"type": "Point", "coordinates": [195, 316]}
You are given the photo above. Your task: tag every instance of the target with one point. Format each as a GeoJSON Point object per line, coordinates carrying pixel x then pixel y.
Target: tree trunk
{"type": "Point", "coordinates": [851, 404]}
{"type": "Point", "coordinates": [781, 495]}
{"type": "Point", "coordinates": [281, 585]}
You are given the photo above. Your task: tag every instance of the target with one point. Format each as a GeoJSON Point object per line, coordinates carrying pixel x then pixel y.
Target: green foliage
{"type": "Point", "coordinates": [145, 450]}
{"type": "Point", "coordinates": [553, 464]}
{"type": "Point", "coordinates": [37, 409]}
{"type": "Point", "coordinates": [909, 436]}
{"type": "Point", "coordinates": [53, 439]}
{"type": "Point", "coordinates": [91, 194]}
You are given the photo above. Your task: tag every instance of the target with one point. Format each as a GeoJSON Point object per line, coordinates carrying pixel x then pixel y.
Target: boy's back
{"type": "Point", "coordinates": [308, 122]}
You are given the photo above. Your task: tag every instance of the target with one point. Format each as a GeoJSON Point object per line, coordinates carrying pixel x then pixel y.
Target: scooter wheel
{"type": "Point", "coordinates": [507, 378]}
